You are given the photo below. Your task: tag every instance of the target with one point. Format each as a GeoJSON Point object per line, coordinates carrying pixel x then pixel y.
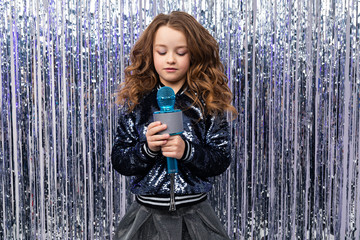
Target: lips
{"type": "Point", "coordinates": [170, 69]}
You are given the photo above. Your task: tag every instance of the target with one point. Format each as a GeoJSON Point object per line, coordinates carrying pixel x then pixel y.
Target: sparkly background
{"type": "Point", "coordinates": [294, 69]}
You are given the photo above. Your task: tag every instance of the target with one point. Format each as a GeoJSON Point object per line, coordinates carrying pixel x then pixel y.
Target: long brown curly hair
{"type": "Point", "coordinates": [205, 78]}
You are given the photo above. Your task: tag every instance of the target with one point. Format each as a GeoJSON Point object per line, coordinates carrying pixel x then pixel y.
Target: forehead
{"type": "Point", "coordinates": [169, 36]}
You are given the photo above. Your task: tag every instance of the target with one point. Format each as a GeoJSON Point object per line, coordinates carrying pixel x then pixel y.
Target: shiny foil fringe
{"type": "Point", "coordinates": [294, 71]}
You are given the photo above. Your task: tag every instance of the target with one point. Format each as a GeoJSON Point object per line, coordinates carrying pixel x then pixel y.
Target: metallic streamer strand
{"type": "Point", "coordinates": [293, 67]}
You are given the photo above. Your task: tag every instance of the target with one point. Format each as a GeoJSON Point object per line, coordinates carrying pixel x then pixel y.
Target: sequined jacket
{"type": "Point", "coordinates": [207, 154]}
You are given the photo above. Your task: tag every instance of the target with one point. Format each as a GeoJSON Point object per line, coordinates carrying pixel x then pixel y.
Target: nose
{"type": "Point", "coordinates": [170, 59]}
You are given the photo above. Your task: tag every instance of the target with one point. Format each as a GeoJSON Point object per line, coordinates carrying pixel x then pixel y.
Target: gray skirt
{"type": "Point", "coordinates": [196, 222]}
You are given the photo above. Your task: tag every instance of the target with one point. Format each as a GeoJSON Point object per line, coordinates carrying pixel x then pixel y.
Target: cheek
{"type": "Point", "coordinates": [157, 62]}
{"type": "Point", "coordinates": [186, 63]}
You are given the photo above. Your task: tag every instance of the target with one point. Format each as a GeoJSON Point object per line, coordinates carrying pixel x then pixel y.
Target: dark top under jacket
{"type": "Point", "coordinates": [207, 151]}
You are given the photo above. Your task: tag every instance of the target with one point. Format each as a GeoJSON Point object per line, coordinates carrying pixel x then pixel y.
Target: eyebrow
{"type": "Point", "coordinates": [163, 45]}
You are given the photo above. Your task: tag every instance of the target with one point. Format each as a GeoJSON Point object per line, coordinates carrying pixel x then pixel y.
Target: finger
{"type": "Point", "coordinates": [153, 124]}
{"type": "Point", "coordinates": [157, 143]}
{"type": "Point", "coordinates": [168, 145]}
{"type": "Point", "coordinates": [174, 140]}
{"type": "Point", "coordinates": [155, 129]}
{"type": "Point", "coordinates": [166, 148]}
{"type": "Point", "coordinates": [170, 148]}
{"type": "Point", "coordinates": [159, 137]}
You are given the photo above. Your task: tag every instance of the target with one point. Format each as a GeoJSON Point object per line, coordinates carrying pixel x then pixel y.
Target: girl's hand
{"type": "Point", "coordinates": [174, 147]}
{"type": "Point", "coordinates": [156, 141]}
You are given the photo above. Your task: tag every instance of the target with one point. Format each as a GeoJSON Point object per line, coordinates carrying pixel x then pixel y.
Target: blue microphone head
{"type": "Point", "coordinates": [166, 99]}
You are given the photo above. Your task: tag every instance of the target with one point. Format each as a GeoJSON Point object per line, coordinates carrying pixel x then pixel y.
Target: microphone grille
{"type": "Point", "coordinates": [166, 97]}
{"type": "Point", "coordinates": [165, 92]}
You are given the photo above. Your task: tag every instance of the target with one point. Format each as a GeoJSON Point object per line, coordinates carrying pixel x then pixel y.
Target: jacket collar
{"type": "Point", "coordinates": [179, 93]}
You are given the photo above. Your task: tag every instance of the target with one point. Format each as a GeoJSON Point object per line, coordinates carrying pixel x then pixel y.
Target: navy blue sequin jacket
{"type": "Point", "coordinates": [208, 149]}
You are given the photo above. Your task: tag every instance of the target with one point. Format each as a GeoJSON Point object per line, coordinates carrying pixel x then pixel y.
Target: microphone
{"type": "Point", "coordinates": [171, 117]}
{"type": "Point", "coordinates": [174, 121]}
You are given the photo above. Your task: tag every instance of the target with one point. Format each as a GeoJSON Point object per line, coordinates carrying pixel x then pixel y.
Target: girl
{"type": "Point", "coordinates": [174, 51]}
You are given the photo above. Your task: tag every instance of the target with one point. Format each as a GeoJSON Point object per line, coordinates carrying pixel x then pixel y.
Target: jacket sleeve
{"type": "Point", "coordinates": [212, 156]}
{"type": "Point", "coordinates": [128, 156]}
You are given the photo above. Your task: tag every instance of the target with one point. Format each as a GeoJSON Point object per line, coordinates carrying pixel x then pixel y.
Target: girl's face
{"type": "Point", "coordinates": [171, 57]}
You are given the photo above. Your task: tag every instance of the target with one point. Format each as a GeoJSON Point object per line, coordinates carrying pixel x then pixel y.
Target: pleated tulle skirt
{"type": "Point", "coordinates": [196, 222]}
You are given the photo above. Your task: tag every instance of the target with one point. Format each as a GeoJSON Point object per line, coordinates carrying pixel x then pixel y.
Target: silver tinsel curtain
{"type": "Point", "coordinates": [294, 69]}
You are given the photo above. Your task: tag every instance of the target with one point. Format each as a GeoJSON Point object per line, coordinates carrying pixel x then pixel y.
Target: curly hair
{"type": "Point", "coordinates": [207, 84]}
